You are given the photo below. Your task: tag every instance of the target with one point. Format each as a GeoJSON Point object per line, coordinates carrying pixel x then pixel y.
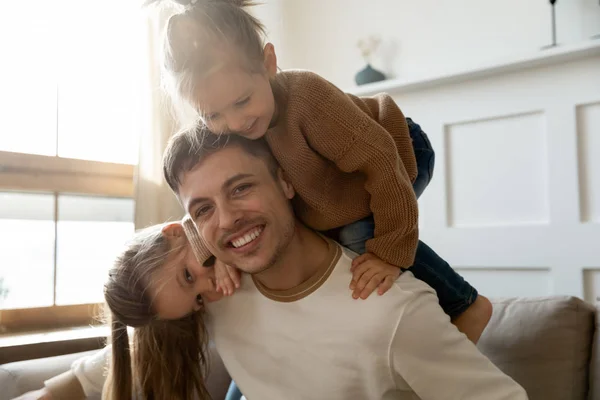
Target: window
{"type": "Point", "coordinates": [70, 114]}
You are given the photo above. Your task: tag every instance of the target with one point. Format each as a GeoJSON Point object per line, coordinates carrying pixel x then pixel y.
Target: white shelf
{"type": "Point", "coordinates": [550, 56]}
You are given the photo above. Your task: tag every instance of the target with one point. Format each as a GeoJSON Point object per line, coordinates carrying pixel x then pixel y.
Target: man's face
{"type": "Point", "coordinates": [242, 211]}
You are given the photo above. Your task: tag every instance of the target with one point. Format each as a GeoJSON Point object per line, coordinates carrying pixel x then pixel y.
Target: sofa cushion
{"type": "Point", "coordinates": [544, 344]}
{"type": "Point", "coordinates": [22, 376]}
{"type": "Point", "coordinates": [595, 362]}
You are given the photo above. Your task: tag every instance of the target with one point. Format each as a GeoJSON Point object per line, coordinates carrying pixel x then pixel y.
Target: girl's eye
{"type": "Point", "coordinates": [199, 300]}
{"type": "Point", "coordinates": [243, 102]}
{"type": "Point", "coordinates": [212, 117]}
{"type": "Point", "coordinates": [188, 277]}
{"type": "Point", "coordinates": [242, 188]}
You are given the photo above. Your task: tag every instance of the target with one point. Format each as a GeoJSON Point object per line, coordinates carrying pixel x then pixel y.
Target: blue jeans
{"type": "Point", "coordinates": [454, 293]}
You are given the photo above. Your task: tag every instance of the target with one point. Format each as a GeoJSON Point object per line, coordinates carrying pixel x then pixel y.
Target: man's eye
{"type": "Point", "coordinates": [187, 276]}
{"type": "Point", "coordinates": [201, 211]}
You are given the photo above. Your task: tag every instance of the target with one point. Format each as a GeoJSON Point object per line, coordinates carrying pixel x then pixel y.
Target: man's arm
{"type": "Point", "coordinates": [439, 362]}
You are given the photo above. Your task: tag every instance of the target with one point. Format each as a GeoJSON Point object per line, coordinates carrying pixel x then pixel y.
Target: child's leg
{"type": "Point", "coordinates": [469, 311]}
{"type": "Point", "coordinates": [424, 155]}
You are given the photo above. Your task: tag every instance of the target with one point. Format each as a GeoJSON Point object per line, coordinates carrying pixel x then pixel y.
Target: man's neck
{"type": "Point", "coordinates": [306, 252]}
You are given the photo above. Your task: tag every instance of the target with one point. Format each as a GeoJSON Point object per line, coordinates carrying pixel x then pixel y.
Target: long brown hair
{"type": "Point", "coordinates": [164, 359]}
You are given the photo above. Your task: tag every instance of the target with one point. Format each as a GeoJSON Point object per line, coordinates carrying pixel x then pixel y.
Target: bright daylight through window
{"type": "Point", "coordinates": [70, 108]}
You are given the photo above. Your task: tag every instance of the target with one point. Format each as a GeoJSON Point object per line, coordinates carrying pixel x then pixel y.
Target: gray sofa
{"type": "Point", "coordinates": [549, 345]}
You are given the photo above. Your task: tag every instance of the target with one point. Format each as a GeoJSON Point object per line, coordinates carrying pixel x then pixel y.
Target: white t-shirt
{"type": "Point", "coordinates": [316, 342]}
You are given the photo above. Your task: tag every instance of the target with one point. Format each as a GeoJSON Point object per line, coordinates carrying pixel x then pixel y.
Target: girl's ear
{"type": "Point", "coordinates": [270, 60]}
{"type": "Point", "coordinates": [173, 230]}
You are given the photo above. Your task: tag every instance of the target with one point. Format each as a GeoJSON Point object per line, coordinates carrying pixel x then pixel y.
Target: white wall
{"type": "Point", "coordinates": [514, 204]}
{"type": "Point", "coordinates": [421, 38]}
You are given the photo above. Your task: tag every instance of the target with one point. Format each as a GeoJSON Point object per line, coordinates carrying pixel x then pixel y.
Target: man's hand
{"type": "Point", "coordinates": [227, 278]}
{"type": "Point", "coordinates": [370, 272]}
{"type": "Point", "coordinates": [41, 394]}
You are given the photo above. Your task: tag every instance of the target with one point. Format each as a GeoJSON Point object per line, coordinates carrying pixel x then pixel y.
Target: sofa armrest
{"type": "Point", "coordinates": [23, 376]}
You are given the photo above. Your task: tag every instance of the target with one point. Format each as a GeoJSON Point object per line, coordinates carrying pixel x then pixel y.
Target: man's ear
{"type": "Point", "coordinates": [173, 230]}
{"type": "Point", "coordinates": [286, 185]}
{"type": "Point", "coordinates": [270, 60]}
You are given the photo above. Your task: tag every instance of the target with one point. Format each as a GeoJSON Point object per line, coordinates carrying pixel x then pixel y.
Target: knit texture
{"type": "Point", "coordinates": [197, 244]}
{"type": "Point", "coordinates": [347, 158]}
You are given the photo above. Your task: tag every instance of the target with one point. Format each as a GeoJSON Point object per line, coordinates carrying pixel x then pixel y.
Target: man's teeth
{"type": "Point", "coordinates": [247, 238]}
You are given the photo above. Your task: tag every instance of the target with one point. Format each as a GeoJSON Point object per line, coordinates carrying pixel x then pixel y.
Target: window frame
{"type": "Point", "coordinates": [22, 172]}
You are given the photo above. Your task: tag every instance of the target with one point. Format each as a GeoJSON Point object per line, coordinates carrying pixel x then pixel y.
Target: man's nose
{"type": "Point", "coordinates": [229, 216]}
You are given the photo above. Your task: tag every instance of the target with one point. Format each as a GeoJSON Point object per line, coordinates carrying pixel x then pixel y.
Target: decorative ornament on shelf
{"type": "Point", "coordinates": [553, 44]}
{"type": "Point", "coordinates": [596, 36]}
{"type": "Point", "coordinates": [368, 75]}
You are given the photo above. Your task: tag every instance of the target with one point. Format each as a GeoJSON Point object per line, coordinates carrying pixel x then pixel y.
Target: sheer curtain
{"type": "Point", "coordinates": [155, 202]}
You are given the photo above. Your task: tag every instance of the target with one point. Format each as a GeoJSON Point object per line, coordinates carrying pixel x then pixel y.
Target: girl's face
{"type": "Point", "coordinates": [233, 100]}
{"type": "Point", "coordinates": [182, 285]}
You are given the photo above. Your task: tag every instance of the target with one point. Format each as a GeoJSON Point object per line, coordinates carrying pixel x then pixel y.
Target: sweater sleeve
{"type": "Point", "coordinates": [347, 131]}
{"type": "Point", "coordinates": [427, 348]}
{"type": "Point", "coordinates": [85, 378]}
{"type": "Point", "coordinates": [199, 247]}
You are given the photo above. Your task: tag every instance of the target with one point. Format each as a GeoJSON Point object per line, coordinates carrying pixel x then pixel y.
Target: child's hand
{"type": "Point", "coordinates": [369, 272]}
{"type": "Point", "coordinates": [227, 278]}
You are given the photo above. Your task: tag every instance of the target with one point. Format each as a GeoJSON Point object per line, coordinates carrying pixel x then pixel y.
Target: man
{"type": "Point", "coordinates": [293, 330]}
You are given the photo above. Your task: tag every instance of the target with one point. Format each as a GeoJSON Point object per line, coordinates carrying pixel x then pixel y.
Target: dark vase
{"type": "Point", "coordinates": [368, 75]}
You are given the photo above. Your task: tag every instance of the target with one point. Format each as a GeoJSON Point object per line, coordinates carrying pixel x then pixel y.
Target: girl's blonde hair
{"type": "Point", "coordinates": [195, 37]}
{"type": "Point", "coordinates": [164, 359]}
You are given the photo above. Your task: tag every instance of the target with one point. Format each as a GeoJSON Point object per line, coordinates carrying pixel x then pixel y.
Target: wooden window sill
{"type": "Point", "coordinates": [49, 343]}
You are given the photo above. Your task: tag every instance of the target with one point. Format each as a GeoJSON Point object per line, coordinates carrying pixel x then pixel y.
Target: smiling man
{"type": "Point", "coordinates": [292, 330]}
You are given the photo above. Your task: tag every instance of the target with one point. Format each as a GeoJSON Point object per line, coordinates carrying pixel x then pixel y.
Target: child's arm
{"type": "Point", "coordinates": [227, 277]}
{"type": "Point", "coordinates": [370, 136]}
{"type": "Point", "coordinates": [85, 378]}
{"type": "Point", "coordinates": [201, 252]}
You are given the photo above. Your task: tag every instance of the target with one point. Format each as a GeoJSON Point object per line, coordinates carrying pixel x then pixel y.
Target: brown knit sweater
{"type": "Point", "coordinates": [347, 158]}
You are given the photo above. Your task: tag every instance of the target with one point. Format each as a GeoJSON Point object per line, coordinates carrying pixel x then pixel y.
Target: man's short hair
{"type": "Point", "coordinates": [188, 148]}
